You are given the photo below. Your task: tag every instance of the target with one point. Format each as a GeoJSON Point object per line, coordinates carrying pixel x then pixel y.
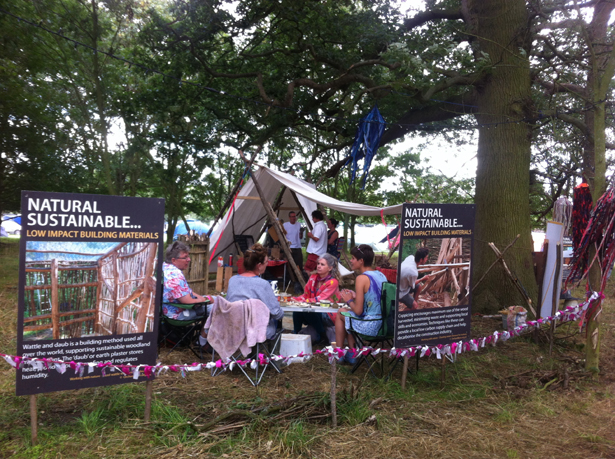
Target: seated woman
{"type": "Point", "coordinates": [323, 285]}
{"type": "Point", "coordinates": [177, 292]}
{"type": "Point", "coordinates": [364, 303]}
{"type": "Point", "coordinates": [250, 286]}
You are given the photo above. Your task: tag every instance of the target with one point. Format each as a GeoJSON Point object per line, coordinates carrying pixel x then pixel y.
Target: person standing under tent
{"type": "Point", "coordinates": [332, 237]}
{"type": "Point", "coordinates": [409, 289]}
{"type": "Point", "coordinates": [317, 246]}
{"type": "Point", "coordinates": [293, 234]}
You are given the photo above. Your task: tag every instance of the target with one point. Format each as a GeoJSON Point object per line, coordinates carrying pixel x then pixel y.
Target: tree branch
{"type": "Point", "coordinates": [555, 88]}
{"type": "Point", "coordinates": [431, 15]}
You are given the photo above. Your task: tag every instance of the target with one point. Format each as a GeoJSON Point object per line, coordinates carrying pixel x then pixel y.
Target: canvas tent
{"type": "Point", "coordinates": [246, 215]}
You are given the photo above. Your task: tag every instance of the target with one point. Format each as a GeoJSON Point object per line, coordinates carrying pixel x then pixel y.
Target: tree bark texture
{"type": "Point", "coordinates": [502, 181]}
{"type": "Point", "coordinates": [599, 76]}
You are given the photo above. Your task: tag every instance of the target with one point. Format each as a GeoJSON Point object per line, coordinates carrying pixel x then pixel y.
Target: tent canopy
{"type": "Point", "coordinates": [246, 215]}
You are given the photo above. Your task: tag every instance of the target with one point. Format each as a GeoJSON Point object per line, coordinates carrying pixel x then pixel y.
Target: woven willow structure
{"type": "Point", "coordinates": [114, 295]}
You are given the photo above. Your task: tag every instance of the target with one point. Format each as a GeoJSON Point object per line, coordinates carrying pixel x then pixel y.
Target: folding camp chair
{"type": "Point", "coordinates": [267, 348]}
{"type": "Point", "coordinates": [385, 334]}
{"type": "Point", "coordinates": [340, 246]}
{"type": "Point", "coordinates": [182, 333]}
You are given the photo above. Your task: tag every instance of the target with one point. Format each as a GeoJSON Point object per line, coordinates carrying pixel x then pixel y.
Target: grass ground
{"type": "Point", "coordinates": [508, 401]}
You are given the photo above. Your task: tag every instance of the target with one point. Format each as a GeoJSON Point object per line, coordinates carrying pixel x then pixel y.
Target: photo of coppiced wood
{"type": "Point", "coordinates": [112, 295]}
{"type": "Point", "coordinates": [448, 275]}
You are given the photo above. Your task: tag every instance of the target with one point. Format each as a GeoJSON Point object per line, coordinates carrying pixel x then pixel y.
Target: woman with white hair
{"type": "Point", "coordinates": [322, 285]}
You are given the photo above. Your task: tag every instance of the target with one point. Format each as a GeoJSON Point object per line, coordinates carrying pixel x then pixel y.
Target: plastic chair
{"type": "Point", "coordinates": [182, 333]}
{"type": "Point", "coordinates": [385, 335]}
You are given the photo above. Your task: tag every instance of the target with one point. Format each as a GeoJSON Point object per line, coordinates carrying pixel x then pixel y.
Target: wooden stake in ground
{"type": "Point", "coordinates": [443, 371]}
{"type": "Point", "coordinates": [558, 264]}
{"type": "Point", "coordinates": [148, 400]}
{"type": "Point", "coordinates": [33, 420]}
{"type": "Point", "coordinates": [334, 389]}
{"type": "Point", "coordinates": [276, 223]}
{"type": "Point", "coordinates": [404, 372]}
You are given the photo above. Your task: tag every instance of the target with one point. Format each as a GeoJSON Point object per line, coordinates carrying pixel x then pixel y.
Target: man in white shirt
{"type": "Point", "coordinates": [409, 290]}
{"type": "Point", "coordinates": [293, 234]}
{"type": "Point", "coordinates": [317, 244]}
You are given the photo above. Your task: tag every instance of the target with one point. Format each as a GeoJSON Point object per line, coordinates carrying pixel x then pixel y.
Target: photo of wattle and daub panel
{"type": "Point", "coordinates": [78, 289]}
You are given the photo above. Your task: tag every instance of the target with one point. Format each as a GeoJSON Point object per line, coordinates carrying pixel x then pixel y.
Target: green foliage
{"type": "Point", "coordinates": [92, 422]}
{"type": "Point", "coordinates": [353, 411]}
{"type": "Point", "coordinates": [294, 439]}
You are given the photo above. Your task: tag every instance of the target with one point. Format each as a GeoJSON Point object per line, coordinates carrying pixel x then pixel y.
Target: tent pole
{"type": "Point", "coordinates": [229, 198]}
{"type": "Point", "coordinates": [302, 210]}
{"type": "Point", "coordinates": [276, 224]}
{"type": "Point", "coordinates": [276, 204]}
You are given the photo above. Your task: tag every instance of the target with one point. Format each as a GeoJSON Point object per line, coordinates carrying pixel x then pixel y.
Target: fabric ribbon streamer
{"type": "Point", "coordinates": [366, 142]}
{"type": "Point", "coordinates": [599, 232]}
{"type": "Point", "coordinates": [581, 211]}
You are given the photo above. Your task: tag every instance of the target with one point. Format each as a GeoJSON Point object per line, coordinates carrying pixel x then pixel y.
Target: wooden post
{"type": "Point", "coordinates": [116, 290]}
{"type": "Point", "coordinates": [33, 420]}
{"type": "Point", "coordinates": [55, 306]}
{"type": "Point", "coordinates": [302, 211]}
{"type": "Point", "coordinates": [99, 287]}
{"type": "Point", "coordinates": [558, 264]}
{"type": "Point", "coordinates": [147, 297]}
{"type": "Point", "coordinates": [278, 227]}
{"type": "Point", "coordinates": [334, 389]}
{"type": "Point", "coordinates": [148, 400]}
{"type": "Point", "coordinates": [443, 371]}
{"type": "Point", "coordinates": [206, 262]}
{"type": "Point", "coordinates": [405, 372]}
{"type": "Point", "coordinates": [231, 195]}
{"type": "Point", "coordinates": [219, 278]}
{"type": "Point", "coordinates": [228, 273]}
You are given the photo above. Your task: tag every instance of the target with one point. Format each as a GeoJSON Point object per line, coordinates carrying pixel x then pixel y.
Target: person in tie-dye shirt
{"type": "Point", "coordinates": [176, 288]}
{"type": "Point", "coordinates": [324, 285]}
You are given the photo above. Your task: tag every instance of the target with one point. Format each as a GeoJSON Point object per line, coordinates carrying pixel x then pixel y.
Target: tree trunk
{"type": "Point", "coordinates": [100, 104]}
{"type": "Point", "coordinates": [601, 71]}
{"type": "Point", "coordinates": [502, 180]}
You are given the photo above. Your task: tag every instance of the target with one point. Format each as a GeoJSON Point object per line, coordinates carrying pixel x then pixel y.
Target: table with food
{"type": "Point", "coordinates": [322, 307]}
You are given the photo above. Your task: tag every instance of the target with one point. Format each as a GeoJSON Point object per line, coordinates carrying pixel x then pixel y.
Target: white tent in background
{"type": "Point", "coordinates": [247, 215]}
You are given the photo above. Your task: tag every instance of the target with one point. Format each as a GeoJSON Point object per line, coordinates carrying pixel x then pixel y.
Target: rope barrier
{"type": "Point", "coordinates": [570, 314]}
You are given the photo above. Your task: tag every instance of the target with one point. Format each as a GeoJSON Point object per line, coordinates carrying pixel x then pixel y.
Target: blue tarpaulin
{"type": "Point", "coordinates": [199, 227]}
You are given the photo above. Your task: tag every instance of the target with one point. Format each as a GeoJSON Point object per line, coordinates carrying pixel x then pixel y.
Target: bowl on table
{"type": "Point", "coordinates": [284, 297]}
